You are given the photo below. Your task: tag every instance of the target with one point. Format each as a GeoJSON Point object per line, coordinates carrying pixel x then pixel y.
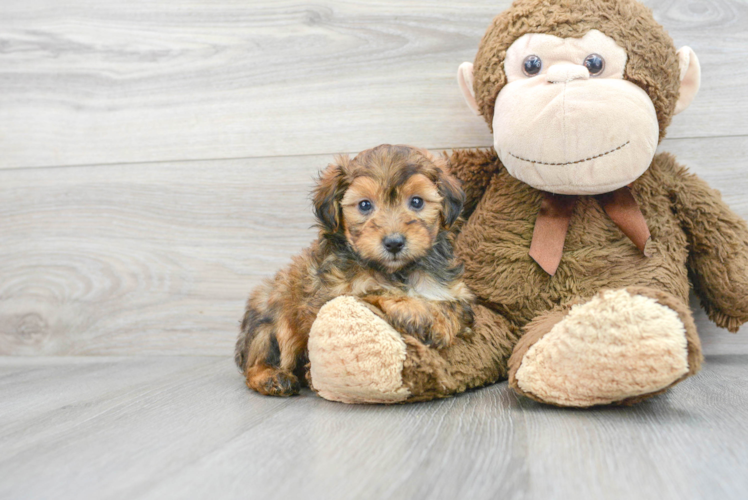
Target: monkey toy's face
{"type": "Point", "coordinates": [567, 121]}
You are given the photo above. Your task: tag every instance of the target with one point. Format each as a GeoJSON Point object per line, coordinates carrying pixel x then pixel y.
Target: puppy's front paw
{"type": "Point", "coordinates": [433, 333]}
{"type": "Point", "coordinates": [450, 320]}
{"type": "Point", "coordinates": [415, 326]}
{"type": "Point", "coordinates": [406, 315]}
{"type": "Point", "coordinates": [440, 335]}
{"type": "Point", "coordinates": [436, 324]}
{"type": "Point", "coordinates": [272, 381]}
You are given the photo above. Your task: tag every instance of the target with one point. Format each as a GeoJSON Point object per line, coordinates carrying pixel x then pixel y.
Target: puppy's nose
{"type": "Point", "coordinates": [394, 243]}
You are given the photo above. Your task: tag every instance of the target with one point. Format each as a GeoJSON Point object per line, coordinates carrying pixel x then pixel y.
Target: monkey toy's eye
{"type": "Point", "coordinates": [365, 206]}
{"type": "Point", "coordinates": [416, 203]}
{"type": "Point", "coordinates": [595, 64]}
{"type": "Point", "coordinates": [532, 65]}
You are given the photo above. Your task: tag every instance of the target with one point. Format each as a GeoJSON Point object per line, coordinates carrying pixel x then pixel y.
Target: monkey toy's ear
{"type": "Point", "coordinates": [328, 194]}
{"type": "Point", "coordinates": [465, 79]}
{"type": "Point", "coordinates": [690, 78]}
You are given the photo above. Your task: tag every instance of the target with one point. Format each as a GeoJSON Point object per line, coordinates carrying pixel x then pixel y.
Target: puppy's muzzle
{"type": "Point", "coordinates": [394, 243]}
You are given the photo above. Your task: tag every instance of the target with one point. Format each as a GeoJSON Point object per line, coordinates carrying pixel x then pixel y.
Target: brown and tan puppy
{"type": "Point", "coordinates": [386, 222]}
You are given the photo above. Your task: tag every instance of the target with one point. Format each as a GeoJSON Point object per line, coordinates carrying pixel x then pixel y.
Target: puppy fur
{"type": "Point", "coordinates": [387, 222]}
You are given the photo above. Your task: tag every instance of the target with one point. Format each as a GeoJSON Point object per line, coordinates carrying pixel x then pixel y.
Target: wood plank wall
{"type": "Point", "coordinates": [156, 155]}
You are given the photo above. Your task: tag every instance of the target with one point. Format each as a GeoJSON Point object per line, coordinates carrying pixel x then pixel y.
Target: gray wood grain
{"type": "Point", "coordinates": [159, 258]}
{"type": "Point", "coordinates": [186, 427]}
{"type": "Point", "coordinates": [97, 82]}
{"type": "Point", "coordinates": [148, 258]}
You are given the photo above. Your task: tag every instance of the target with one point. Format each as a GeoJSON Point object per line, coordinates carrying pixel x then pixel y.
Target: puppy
{"type": "Point", "coordinates": [387, 222]}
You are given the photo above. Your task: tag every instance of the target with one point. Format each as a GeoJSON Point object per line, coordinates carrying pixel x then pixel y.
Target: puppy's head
{"type": "Point", "coordinates": [390, 203]}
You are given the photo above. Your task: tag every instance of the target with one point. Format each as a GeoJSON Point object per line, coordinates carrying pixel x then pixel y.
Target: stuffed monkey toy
{"type": "Point", "coordinates": [579, 242]}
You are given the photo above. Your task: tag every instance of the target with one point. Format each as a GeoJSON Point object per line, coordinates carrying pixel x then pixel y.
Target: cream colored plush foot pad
{"type": "Point", "coordinates": [355, 356]}
{"type": "Point", "coordinates": [613, 347]}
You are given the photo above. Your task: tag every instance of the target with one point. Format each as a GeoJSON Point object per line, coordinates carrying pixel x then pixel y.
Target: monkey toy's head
{"type": "Point", "coordinates": [578, 93]}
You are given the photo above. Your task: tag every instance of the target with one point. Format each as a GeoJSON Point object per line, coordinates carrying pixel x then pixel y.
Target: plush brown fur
{"type": "Point", "coordinates": [416, 289]}
{"type": "Point", "coordinates": [693, 234]}
{"type": "Point", "coordinates": [696, 239]}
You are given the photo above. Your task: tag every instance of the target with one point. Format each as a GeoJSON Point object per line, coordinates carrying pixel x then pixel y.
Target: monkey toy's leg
{"type": "Point", "coordinates": [356, 357]}
{"type": "Point", "coordinates": [620, 347]}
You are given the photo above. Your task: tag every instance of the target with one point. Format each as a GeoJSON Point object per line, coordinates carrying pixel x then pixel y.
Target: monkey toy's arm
{"type": "Point", "coordinates": [474, 168]}
{"type": "Point", "coordinates": [718, 248]}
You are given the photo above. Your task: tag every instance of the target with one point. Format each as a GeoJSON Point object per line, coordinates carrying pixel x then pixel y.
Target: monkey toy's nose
{"type": "Point", "coordinates": [394, 243]}
{"type": "Point", "coordinates": [566, 72]}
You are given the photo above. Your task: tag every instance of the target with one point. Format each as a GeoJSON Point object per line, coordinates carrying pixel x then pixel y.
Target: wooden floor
{"type": "Point", "coordinates": [186, 427]}
{"type": "Point", "coordinates": [155, 163]}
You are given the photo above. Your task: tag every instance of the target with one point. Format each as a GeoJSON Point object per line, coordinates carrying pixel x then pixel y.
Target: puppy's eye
{"type": "Point", "coordinates": [416, 203]}
{"type": "Point", "coordinates": [595, 64]}
{"type": "Point", "coordinates": [531, 65]}
{"type": "Point", "coordinates": [365, 206]}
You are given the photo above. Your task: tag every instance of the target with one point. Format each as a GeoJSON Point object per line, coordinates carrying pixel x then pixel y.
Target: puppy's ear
{"type": "Point", "coordinates": [454, 197]}
{"type": "Point", "coordinates": [328, 194]}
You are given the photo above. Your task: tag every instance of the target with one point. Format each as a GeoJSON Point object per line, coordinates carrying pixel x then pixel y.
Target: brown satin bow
{"type": "Point", "coordinates": [553, 221]}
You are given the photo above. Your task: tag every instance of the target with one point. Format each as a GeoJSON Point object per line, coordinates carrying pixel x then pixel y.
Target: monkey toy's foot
{"type": "Point", "coordinates": [355, 356]}
{"type": "Point", "coordinates": [619, 347]}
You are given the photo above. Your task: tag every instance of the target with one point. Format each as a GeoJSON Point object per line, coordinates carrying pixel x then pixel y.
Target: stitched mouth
{"type": "Point", "coordinates": [572, 162]}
